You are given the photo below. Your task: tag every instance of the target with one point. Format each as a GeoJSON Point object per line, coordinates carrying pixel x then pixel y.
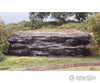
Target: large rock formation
{"type": "Point", "coordinates": [49, 44]}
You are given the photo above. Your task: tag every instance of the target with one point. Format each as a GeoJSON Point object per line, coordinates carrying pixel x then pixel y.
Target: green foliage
{"type": "Point", "coordinates": [85, 25]}
{"type": "Point", "coordinates": [38, 15]}
{"type": "Point", "coordinates": [11, 27]}
{"type": "Point", "coordinates": [37, 18]}
{"type": "Point", "coordinates": [4, 44]}
{"type": "Point", "coordinates": [94, 27]}
{"type": "Point", "coordinates": [60, 16]}
{"type": "Point", "coordinates": [37, 24]}
{"type": "Point", "coordinates": [2, 56]}
{"type": "Point", "coordinates": [23, 24]}
{"type": "Point", "coordinates": [80, 16]}
{"type": "Point", "coordinates": [70, 25]}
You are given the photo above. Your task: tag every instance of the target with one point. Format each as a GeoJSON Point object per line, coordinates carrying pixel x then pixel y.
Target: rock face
{"type": "Point", "coordinates": [49, 44]}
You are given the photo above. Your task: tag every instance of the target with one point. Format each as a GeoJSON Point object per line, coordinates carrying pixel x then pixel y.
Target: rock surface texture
{"type": "Point", "coordinates": [49, 44]}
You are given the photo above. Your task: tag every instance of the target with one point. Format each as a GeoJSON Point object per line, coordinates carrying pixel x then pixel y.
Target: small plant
{"type": "Point", "coordinates": [2, 56]}
{"type": "Point", "coordinates": [92, 68]}
{"type": "Point", "coordinates": [4, 68]}
{"type": "Point", "coordinates": [94, 50]}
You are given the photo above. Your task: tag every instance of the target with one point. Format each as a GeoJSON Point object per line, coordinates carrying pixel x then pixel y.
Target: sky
{"type": "Point", "coordinates": [14, 17]}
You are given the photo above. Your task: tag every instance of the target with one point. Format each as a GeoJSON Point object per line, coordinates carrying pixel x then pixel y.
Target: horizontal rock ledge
{"type": "Point", "coordinates": [49, 44]}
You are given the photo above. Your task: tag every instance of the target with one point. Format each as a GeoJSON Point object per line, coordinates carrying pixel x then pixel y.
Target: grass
{"type": "Point", "coordinates": [13, 62]}
{"type": "Point", "coordinates": [71, 30]}
{"type": "Point", "coordinates": [87, 68]}
{"type": "Point", "coordinates": [67, 28]}
{"type": "Point", "coordinates": [66, 25]}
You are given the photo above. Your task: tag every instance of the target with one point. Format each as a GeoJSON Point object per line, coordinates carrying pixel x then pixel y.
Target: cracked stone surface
{"type": "Point", "coordinates": [49, 44]}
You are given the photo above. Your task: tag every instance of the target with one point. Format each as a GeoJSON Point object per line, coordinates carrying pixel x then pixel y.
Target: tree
{"type": "Point", "coordinates": [37, 18]}
{"type": "Point", "coordinates": [60, 16]}
{"type": "Point", "coordinates": [81, 16]}
{"type": "Point", "coordinates": [38, 15]}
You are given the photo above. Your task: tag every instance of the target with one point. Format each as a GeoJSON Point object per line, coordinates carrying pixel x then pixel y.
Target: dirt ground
{"type": "Point", "coordinates": [89, 68]}
{"type": "Point", "coordinates": [60, 31]}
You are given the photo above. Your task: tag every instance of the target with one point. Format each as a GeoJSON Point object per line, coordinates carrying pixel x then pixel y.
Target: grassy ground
{"type": "Point", "coordinates": [89, 68]}
{"type": "Point", "coordinates": [13, 62]}
{"type": "Point", "coordinates": [67, 28]}
{"type": "Point", "coordinates": [60, 31]}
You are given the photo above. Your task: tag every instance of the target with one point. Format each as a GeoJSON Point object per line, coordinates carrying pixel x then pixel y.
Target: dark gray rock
{"type": "Point", "coordinates": [49, 44]}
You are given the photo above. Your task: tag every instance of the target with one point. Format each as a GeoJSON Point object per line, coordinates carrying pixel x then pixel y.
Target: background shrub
{"type": "Point", "coordinates": [4, 44]}
{"type": "Point", "coordinates": [94, 27]}
{"type": "Point", "coordinates": [2, 56]}
{"type": "Point", "coordinates": [23, 24]}
{"type": "Point", "coordinates": [37, 24]}
{"type": "Point", "coordinates": [10, 27]}
{"type": "Point", "coordinates": [84, 25]}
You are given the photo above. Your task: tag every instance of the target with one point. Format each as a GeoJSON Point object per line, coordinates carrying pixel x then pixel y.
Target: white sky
{"type": "Point", "coordinates": [14, 17]}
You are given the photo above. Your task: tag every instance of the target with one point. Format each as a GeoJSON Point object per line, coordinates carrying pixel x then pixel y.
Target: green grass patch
{"type": "Point", "coordinates": [71, 25]}
{"type": "Point", "coordinates": [13, 62]}
{"type": "Point", "coordinates": [15, 28]}
{"type": "Point", "coordinates": [67, 25]}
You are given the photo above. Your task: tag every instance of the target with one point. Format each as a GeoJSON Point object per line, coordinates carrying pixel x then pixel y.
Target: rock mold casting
{"type": "Point", "coordinates": [49, 44]}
